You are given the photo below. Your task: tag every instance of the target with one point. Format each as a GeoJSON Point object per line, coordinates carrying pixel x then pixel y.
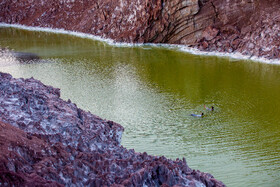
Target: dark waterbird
{"type": "Point", "coordinates": [210, 109]}
{"type": "Point", "coordinates": [198, 115]}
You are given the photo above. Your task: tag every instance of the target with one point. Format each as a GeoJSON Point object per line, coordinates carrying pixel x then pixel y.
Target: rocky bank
{"type": "Point", "coordinates": [46, 141]}
{"type": "Point", "coordinates": [250, 27]}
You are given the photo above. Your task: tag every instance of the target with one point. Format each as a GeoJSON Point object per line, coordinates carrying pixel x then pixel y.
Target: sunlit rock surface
{"type": "Point", "coordinates": [45, 140]}
{"type": "Point", "coordinates": [250, 27]}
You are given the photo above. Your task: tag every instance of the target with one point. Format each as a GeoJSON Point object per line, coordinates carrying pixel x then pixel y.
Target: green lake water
{"type": "Point", "coordinates": [152, 91]}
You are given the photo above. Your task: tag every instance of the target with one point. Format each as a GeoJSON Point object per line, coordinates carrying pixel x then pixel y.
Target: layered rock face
{"type": "Point", "coordinates": [45, 140]}
{"type": "Point", "coordinates": [250, 27]}
{"type": "Point", "coordinates": [121, 20]}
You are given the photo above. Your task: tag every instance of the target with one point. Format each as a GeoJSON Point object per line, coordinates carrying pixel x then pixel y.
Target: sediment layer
{"type": "Point", "coordinates": [250, 27]}
{"type": "Point", "coordinates": [45, 140]}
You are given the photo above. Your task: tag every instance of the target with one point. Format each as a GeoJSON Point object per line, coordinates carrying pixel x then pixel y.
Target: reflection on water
{"type": "Point", "coordinates": [7, 58]}
{"type": "Point", "coordinates": [152, 92]}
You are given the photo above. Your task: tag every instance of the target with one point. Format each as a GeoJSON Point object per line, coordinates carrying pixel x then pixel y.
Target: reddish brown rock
{"type": "Point", "coordinates": [17, 151]}
{"type": "Point", "coordinates": [121, 20]}
{"type": "Point", "coordinates": [205, 45]}
{"type": "Point", "coordinates": [251, 27]}
{"type": "Point", "coordinates": [46, 141]}
{"type": "Point", "coordinates": [210, 33]}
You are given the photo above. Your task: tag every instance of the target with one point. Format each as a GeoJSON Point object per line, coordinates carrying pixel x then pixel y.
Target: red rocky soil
{"type": "Point", "coordinates": [250, 27]}
{"type": "Point", "coordinates": [46, 141]}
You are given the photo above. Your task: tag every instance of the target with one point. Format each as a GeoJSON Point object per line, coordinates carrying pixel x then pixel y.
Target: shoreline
{"type": "Point", "coordinates": [62, 144]}
{"type": "Point", "coordinates": [177, 47]}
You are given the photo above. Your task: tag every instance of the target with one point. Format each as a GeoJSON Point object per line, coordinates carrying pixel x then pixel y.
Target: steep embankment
{"type": "Point", "coordinates": [250, 27]}
{"type": "Point", "coordinates": [45, 140]}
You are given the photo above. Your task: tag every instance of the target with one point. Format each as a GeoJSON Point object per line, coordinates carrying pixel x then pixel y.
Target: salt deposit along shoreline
{"type": "Point", "coordinates": [45, 140]}
{"type": "Point", "coordinates": [182, 48]}
{"type": "Point", "coordinates": [239, 29]}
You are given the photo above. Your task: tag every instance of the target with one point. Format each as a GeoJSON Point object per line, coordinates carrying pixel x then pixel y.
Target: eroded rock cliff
{"type": "Point", "coordinates": [121, 20]}
{"type": "Point", "coordinates": [250, 27]}
{"type": "Point", "coordinates": [46, 141]}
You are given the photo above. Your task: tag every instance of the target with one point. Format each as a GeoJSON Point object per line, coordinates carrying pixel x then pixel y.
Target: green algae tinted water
{"type": "Point", "coordinates": [152, 91]}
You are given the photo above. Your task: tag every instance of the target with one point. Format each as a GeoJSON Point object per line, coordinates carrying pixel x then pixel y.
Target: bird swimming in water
{"type": "Point", "coordinates": [210, 109]}
{"type": "Point", "coordinates": [198, 115]}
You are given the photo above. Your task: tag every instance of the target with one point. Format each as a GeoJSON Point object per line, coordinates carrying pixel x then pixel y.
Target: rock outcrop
{"type": "Point", "coordinates": [46, 141]}
{"type": "Point", "coordinates": [122, 20]}
{"type": "Point", "coordinates": [250, 27]}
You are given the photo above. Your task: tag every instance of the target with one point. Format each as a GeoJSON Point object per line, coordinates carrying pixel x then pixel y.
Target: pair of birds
{"type": "Point", "coordinates": [202, 114]}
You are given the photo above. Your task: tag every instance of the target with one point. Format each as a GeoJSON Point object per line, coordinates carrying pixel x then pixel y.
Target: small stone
{"type": "Point", "coordinates": [251, 45]}
{"type": "Point", "coordinates": [205, 45]}
{"type": "Point", "coordinates": [210, 33]}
